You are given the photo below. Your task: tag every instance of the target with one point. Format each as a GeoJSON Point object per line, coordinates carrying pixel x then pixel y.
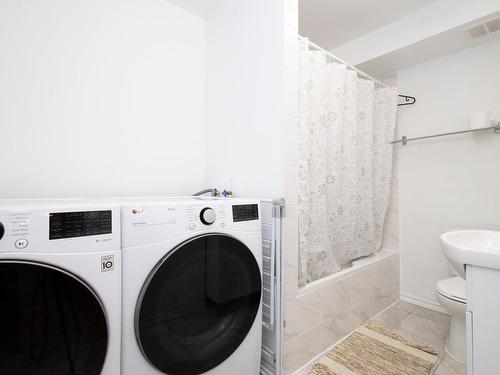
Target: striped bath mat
{"type": "Point", "coordinates": [375, 350]}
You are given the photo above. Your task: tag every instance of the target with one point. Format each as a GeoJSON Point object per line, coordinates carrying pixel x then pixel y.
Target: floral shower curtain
{"type": "Point", "coordinates": [345, 164]}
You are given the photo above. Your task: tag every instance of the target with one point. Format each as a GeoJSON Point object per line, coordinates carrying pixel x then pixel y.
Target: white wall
{"type": "Point", "coordinates": [245, 101]}
{"type": "Point", "coordinates": [451, 182]}
{"type": "Point", "coordinates": [100, 98]}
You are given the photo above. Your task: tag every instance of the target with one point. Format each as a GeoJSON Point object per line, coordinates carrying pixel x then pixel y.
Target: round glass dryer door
{"type": "Point", "coordinates": [198, 305]}
{"type": "Point", "coordinates": [50, 322]}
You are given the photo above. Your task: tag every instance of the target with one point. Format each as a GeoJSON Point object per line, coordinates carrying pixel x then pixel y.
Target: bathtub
{"type": "Point", "coordinates": [325, 311]}
{"type": "Point", "coordinates": [357, 266]}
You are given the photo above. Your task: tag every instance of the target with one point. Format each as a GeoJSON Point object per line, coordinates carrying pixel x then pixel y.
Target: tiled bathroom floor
{"type": "Point", "coordinates": [423, 326]}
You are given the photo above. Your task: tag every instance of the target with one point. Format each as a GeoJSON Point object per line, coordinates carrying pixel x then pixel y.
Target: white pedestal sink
{"type": "Point", "coordinates": [475, 255]}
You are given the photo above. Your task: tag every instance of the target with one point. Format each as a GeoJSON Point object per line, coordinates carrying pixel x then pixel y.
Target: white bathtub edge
{"type": "Point", "coordinates": [357, 266]}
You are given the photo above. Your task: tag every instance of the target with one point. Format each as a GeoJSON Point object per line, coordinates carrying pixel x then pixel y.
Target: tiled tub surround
{"type": "Point", "coordinates": [390, 238]}
{"type": "Point", "coordinates": [320, 314]}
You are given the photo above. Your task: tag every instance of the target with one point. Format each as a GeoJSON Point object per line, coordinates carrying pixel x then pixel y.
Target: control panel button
{"type": "Point", "coordinates": [2, 230]}
{"type": "Point", "coordinates": [222, 224]}
{"type": "Point", "coordinates": [21, 243]}
{"type": "Point", "coordinates": [207, 216]}
{"type": "Point", "coordinates": [192, 226]}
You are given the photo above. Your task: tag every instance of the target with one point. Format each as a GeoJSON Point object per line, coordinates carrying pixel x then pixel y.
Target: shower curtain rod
{"type": "Point", "coordinates": [360, 72]}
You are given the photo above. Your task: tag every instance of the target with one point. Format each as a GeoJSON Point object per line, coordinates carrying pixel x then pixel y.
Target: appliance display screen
{"type": "Point", "coordinates": [245, 212]}
{"type": "Point", "coordinates": [79, 224]}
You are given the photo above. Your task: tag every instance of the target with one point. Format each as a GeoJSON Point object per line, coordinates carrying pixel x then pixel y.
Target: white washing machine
{"type": "Point", "coordinates": [191, 286]}
{"type": "Point", "coordinates": [60, 277]}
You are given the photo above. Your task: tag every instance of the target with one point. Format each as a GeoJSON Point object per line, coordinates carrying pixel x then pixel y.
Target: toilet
{"type": "Point", "coordinates": [450, 294]}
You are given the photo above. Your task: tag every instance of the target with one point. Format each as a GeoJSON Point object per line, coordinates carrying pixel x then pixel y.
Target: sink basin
{"type": "Point", "coordinates": [479, 248]}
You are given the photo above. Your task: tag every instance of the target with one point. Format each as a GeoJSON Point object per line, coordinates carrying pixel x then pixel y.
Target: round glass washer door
{"type": "Point", "coordinates": [198, 305]}
{"type": "Point", "coordinates": [50, 322]}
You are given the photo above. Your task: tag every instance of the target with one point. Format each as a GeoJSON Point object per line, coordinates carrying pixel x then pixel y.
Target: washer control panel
{"type": "Point", "coordinates": [60, 228]}
{"type": "Point", "coordinates": [79, 224]}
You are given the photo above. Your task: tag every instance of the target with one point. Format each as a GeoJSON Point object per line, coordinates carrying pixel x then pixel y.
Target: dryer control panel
{"type": "Point", "coordinates": [245, 212]}
{"type": "Point", "coordinates": [153, 221]}
{"type": "Point", "coordinates": [59, 227]}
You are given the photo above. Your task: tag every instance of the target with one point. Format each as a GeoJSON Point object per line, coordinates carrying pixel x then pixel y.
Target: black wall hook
{"type": "Point", "coordinates": [409, 100]}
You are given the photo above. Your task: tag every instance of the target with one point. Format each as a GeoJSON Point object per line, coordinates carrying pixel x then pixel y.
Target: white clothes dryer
{"type": "Point", "coordinates": [191, 286]}
{"type": "Point", "coordinates": [59, 287]}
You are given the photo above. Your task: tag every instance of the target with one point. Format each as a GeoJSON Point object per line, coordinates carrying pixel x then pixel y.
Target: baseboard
{"type": "Point", "coordinates": [384, 310]}
{"type": "Point", "coordinates": [324, 352]}
{"type": "Point", "coordinates": [431, 305]}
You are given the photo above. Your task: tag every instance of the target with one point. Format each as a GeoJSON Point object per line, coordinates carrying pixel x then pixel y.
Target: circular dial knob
{"type": "Point", "coordinates": [207, 216]}
{"type": "Point", "coordinates": [2, 230]}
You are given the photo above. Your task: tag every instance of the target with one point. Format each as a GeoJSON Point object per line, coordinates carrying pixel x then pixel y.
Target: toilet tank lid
{"type": "Point", "coordinates": [453, 288]}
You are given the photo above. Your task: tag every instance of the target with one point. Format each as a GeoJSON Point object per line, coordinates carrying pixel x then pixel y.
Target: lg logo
{"type": "Point", "coordinates": [107, 263]}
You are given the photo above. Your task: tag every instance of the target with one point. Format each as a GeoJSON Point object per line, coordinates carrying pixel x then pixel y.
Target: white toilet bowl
{"type": "Point", "coordinates": [450, 294]}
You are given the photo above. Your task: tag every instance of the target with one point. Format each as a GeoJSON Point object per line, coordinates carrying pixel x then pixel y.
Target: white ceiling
{"type": "Point", "coordinates": [198, 7]}
{"type": "Point", "coordinates": [434, 47]}
{"type": "Point", "coordinates": [331, 23]}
